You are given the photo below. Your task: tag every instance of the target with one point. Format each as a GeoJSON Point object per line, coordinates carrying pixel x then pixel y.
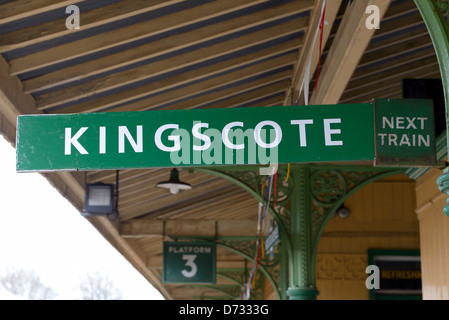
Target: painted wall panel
{"type": "Point", "coordinates": [434, 237]}
{"type": "Point", "coordinates": [382, 217]}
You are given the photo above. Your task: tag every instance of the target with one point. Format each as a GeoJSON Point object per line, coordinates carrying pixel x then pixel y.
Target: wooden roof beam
{"type": "Point", "coordinates": [211, 207]}
{"type": "Point", "coordinates": [147, 206]}
{"type": "Point", "coordinates": [185, 228]}
{"type": "Point", "coordinates": [146, 191]}
{"type": "Point", "coordinates": [13, 101]}
{"type": "Point", "coordinates": [90, 19]}
{"type": "Point", "coordinates": [204, 86]}
{"type": "Point", "coordinates": [70, 184]}
{"type": "Point", "coordinates": [15, 10]}
{"type": "Point", "coordinates": [311, 46]}
{"type": "Point", "coordinates": [155, 48]}
{"type": "Point", "coordinates": [399, 61]}
{"type": "Point", "coordinates": [128, 34]}
{"type": "Point", "coordinates": [184, 78]}
{"type": "Point", "coordinates": [389, 86]}
{"type": "Point", "coordinates": [398, 73]}
{"type": "Point", "coordinates": [141, 73]}
{"type": "Point", "coordinates": [350, 43]}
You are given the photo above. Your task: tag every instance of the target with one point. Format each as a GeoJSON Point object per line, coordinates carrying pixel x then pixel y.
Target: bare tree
{"type": "Point", "coordinates": [26, 284]}
{"type": "Point", "coordinates": [98, 286]}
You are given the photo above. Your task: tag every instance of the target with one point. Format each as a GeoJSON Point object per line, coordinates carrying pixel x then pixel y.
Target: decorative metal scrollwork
{"type": "Point", "coordinates": [330, 187]}
{"type": "Point", "coordinates": [269, 267]}
{"type": "Point", "coordinates": [443, 5]}
{"type": "Point", "coordinates": [327, 186]}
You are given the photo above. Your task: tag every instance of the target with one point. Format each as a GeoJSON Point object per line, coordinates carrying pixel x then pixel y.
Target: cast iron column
{"type": "Point", "coordinates": [301, 264]}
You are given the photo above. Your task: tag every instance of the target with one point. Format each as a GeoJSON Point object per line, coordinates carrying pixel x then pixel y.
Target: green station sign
{"type": "Point", "coordinates": [405, 132]}
{"type": "Point", "coordinates": [388, 132]}
{"type": "Point", "coordinates": [189, 262]}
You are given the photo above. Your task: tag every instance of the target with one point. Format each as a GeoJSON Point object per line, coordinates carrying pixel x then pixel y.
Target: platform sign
{"type": "Point", "coordinates": [399, 274]}
{"type": "Point", "coordinates": [189, 262]}
{"type": "Point", "coordinates": [404, 132]}
{"type": "Point", "coordinates": [404, 135]}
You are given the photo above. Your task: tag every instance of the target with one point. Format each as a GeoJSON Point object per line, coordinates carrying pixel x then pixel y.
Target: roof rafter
{"type": "Point", "coordinates": [14, 11]}
{"type": "Point", "coordinates": [184, 228]}
{"type": "Point", "coordinates": [350, 43]}
{"type": "Point", "coordinates": [310, 49]}
{"type": "Point", "coordinates": [90, 19]}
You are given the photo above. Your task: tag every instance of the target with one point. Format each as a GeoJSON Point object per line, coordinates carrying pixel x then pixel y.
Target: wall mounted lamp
{"type": "Point", "coordinates": [101, 199]}
{"type": "Point", "coordinates": [343, 212]}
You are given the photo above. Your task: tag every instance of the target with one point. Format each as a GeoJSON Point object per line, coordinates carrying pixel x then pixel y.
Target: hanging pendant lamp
{"type": "Point", "coordinates": [174, 184]}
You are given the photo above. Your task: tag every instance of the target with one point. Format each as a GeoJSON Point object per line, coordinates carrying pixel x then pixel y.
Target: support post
{"type": "Point", "coordinates": [301, 264]}
{"type": "Point", "coordinates": [432, 12]}
{"type": "Point", "coordinates": [304, 205]}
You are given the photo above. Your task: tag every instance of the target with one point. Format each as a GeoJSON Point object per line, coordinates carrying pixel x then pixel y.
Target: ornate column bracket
{"type": "Point", "coordinates": [269, 268]}
{"type": "Point", "coordinates": [233, 292]}
{"type": "Point", "coordinates": [235, 275]}
{"type": "Point", "coordinates": [304, 204]}
{"type": "Point", "coordinates": [249, 179]}
{"type": "Point", "coordinates": [331, 186]}
{"type": "Point", "coordinates": [229, 291]}
{"type": "Point", "coordinates": [434, 13]}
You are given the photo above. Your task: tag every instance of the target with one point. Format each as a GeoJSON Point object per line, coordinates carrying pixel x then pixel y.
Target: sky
{"type": "Point", "coordinates": [41, 231]}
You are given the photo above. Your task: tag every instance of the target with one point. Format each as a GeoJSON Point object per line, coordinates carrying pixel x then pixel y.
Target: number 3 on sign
{"type": "Point", "coordinates": [193, 268]}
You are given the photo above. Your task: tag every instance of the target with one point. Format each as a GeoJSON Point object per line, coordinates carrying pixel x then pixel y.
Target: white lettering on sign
{"type": "Point", "coordinates": [328, 132]}
{"type": "Point", "coordinates": [180, 138]}
{"type": "Point", "coordinates": [123, 132]}
{"type": "Point", "coordinates": [158, 138]}
{"type": "Point", "coordinates": [406, 139]}
{"type": "Point", "coordinates": [190, 258]}
{"type": "Point", "coordinates": [189, 249]}
{"type": "Point", "coordinates": [225, 135]}
{"type": "Point", "coordinates": [403, 122]}
{"type": "Point", "coordinates": [302, 130]}
{"type": "Point", "coordinates": [102, 145]}
{"type": "Point", "coordinates": [137, 146]}
{"type": "Point", "coordinates": [69, 141]}
{"type": "Point", "coordinates": [197, 134]}
{"type": "Point", "coordinates": [258, 138]}
{"type": "Point", "coordinates": [409, 140]}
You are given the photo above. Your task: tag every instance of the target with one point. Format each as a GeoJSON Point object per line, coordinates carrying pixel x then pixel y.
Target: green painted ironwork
{"type": "Point", "coordinates": [434, 13]}
{"type": "Point", "coordinates": [441, 148]}
{"type": "Point", "coordinates": [236, 275]}
{"type": "Point", "coordinates": [301, 271]}
{"type": "Point", "coordinates": [305, 202]}
{"type": "Point", "coordinates": [251, 181]}
{"type": "Point", "coordinates": [318, 192]}
{"type": "Point", "coordinates": [331, 186]}
{"type": "Point", "coordinates": [234, 291]}
{"type": "Point", "coordinates": [269, 268]}
{"type": "Point", "coordinates": [230, 291]}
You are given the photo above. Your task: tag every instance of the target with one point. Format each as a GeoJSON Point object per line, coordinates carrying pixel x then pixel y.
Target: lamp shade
{"type": "Point", "coordinates": [174, 184]}
{"type": "Point", "coordinates": [99, 199]}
